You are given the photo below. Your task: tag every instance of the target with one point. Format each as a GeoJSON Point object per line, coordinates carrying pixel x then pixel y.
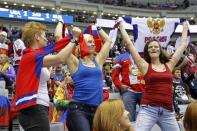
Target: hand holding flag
{"type": "Point", "coordinates": [119, 20]}
{"type": "Point", "coordinates": [61, 20]}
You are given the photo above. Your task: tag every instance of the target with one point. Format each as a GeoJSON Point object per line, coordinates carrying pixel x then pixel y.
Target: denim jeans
{"type": "Point", "coordinates": [148, 116]}
{"type": "Point", "coordinates": [34, 118]}
{"type": "Point", "coordinates": [131, 99]}
{"type": "Point", "coordinates": [80, 117]}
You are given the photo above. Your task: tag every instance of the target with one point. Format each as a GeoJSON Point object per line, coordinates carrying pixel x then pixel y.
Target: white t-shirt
{"type": "Point", "coordinates": [43, 97]}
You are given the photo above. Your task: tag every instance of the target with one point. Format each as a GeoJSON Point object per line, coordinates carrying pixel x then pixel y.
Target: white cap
{"type": "Point", "coordinates": [4, 33]}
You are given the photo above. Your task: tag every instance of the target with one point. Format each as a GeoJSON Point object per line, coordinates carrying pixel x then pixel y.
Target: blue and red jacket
{"type": "Point", "coordinates": [122, 69]}
{"type": "Point", "coordinates": [28, 78]}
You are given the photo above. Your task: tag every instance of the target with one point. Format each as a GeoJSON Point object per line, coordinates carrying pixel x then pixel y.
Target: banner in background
{"type": "Point", "coordinates": [37, 16]}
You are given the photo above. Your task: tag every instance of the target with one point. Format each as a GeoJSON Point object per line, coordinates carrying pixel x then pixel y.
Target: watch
{"type": "Point", "coordinates": [74, 41]}
{"type": "Point", "coordinates": [61, 22]}
{"type": "Point", "coordinates": [98, 28]}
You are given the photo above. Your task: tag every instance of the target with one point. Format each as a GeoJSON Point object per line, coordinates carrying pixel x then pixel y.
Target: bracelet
{"type": "Point", "coordinates": [98, 28]}
{"type": "Point", "coordinates": [74, 41]}
{"type": "Point", "coordinates": [61, 22]}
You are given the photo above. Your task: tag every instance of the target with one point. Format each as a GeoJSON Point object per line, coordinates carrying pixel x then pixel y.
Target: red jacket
{"type": "Point", "coordinates": [28, 78]}
{"type": "Point", "coordinates": [123, 73]}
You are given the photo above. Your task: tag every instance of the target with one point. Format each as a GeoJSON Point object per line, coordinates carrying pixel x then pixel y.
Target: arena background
{"type": "Point", "coordinates": [83, 12]}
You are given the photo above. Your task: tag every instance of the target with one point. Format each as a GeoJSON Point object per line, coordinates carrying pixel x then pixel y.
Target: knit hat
{"type": "Point", "coordinates": [4, 33]}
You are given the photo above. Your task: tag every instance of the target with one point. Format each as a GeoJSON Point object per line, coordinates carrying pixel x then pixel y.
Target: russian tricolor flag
{"type": "Point", "coordinates": [113, 34]}
{"type": "Point", "coordinates": [65, 31]}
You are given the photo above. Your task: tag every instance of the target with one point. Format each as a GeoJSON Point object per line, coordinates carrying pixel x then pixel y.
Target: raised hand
{"type": "Point", "coordinates": [76, 32]}
{"type": "Point", "coordinates": [119, 20]}
{"type": "Point", "coordinates": [185, 25]}
{"type": "Point", "coordinates": [61, 20]}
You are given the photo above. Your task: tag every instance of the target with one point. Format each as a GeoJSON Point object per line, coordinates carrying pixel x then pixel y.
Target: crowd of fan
{"type": "Point", "coordinates": [148, 5]}
{"type": "Point", "coordinates": [61, 86]}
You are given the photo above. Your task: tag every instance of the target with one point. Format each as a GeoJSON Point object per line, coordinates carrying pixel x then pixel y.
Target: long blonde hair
{"type": "Point", "coordinates": [107, 116]}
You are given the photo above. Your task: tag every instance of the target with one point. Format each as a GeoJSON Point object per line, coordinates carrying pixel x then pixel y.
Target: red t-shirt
{"type": "Point", "coordinates": [158, 91]}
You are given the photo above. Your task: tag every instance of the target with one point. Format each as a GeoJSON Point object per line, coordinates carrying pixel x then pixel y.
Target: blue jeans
{"type": "Point", "coordinates": [80, 117]}
{"type": "Point", "coordinates": [148, 116]}
{"type": "Point", "coordinates": [131, 99]}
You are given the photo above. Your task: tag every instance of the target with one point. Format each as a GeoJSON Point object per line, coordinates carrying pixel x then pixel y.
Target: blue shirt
{"type": "Point", "coordinates": [88, 84]}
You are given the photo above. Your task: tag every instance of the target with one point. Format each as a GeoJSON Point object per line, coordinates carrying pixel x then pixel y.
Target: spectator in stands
{"type": "Point", "coordinates": [193, 86]}
{"type": "Point", "coordinates": [10, 44]}
{"type": "Point", "coordinates": [157, 100]}
{"type": "Point", "coordinates": [186, 67]}
{"type": "Point", "coordinates": [180, 94]}
{"type": "Point", "coordinates": [2, 28]}
{"type": "Point", "coordinates": [69, 85]}
{"type": "Point", "coordinates": [5, 107]}
{"type": "Point", "coordinates": [180, 88]}
{"type": "Point", "coordinates": [32, 100]}
{"type": "Point", "coordinates": [186, 4]}
{"type": "Point", "coordinates": [111, 116]}
{"type": "Point", "coordinates": [190, 118]}
{"type": "Point", "coordinates": [107, 82]}
{"type": "Point", "coordinates": [3, 44]}
{"type": "Point", "coordinates": [86, 73]}
{"type": "Point", "coordinates": [16, 33]}
{"type": "Point", "coordinates": [56, 79]}
{"type": "Point", "coordinates": [131, 84]}
{"type": "Point", "coordinates": [60, 102]}
{"type": "Point", "coordinates": [62, 96]}
{"type": "Point", "coordinates": [187, 63]}
{"type": "Point", "coordinates": [18, 48]}
{"type": "Point", "coordinates": [7, 72]}
{"type": "Point", "coordinates": [10, 29]}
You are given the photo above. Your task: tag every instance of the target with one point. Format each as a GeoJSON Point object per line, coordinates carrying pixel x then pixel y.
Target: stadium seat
{"type": "Point", "coordinates": [57, 126]}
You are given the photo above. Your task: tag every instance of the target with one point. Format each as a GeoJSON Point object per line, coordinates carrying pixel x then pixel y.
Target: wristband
{"type": "Point", "coordinates": [74, 41]}
{"type": "Point", "coordinates": [98, 28]}
{"type": "Point", "coordinates": [61, 22]}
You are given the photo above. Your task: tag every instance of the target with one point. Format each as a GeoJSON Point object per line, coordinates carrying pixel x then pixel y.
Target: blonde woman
{"type": "Point", "coordinates": [7, 72]}
{"type": "Point", "coordinates": [86, 73]}
{"type": "Point", "coordinates": [111, 116]}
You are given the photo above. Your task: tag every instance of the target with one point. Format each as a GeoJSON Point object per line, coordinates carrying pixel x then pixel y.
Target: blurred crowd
{"type": "Point", "coordinates": [138, 4]}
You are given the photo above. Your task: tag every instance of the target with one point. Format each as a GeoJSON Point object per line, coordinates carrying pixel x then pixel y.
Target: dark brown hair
{"type": "Point", "coordinates": [176, 68]}
{"type": "Point", "coordinates": [190, 118]}
{"type": "Point", "coordinates": [162, 57]}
